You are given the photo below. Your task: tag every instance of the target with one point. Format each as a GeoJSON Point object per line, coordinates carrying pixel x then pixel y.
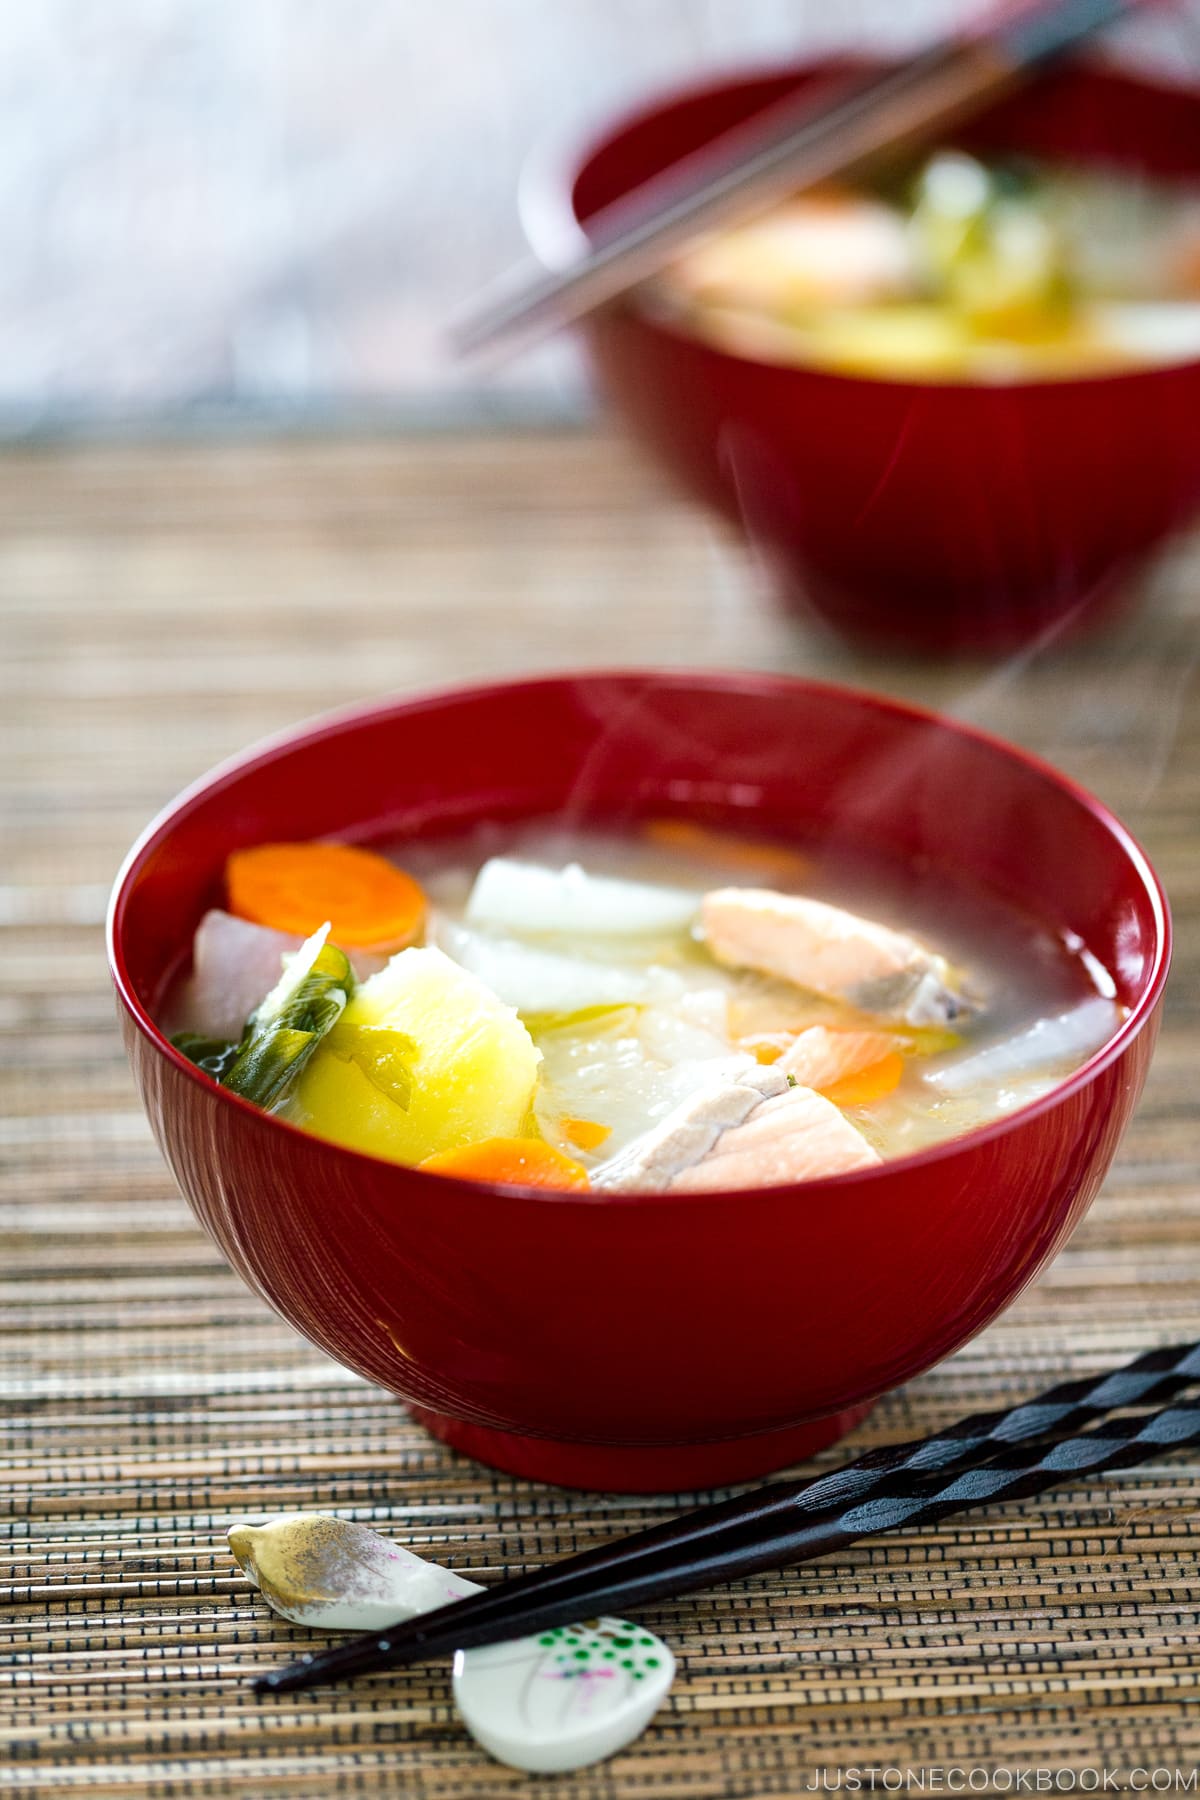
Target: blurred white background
{"type": "Point", "coordinates": [227, 207]}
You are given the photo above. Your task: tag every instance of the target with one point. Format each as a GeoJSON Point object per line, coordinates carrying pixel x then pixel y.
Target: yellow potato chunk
{"type": "Point", "coordinates": [424, 1059]}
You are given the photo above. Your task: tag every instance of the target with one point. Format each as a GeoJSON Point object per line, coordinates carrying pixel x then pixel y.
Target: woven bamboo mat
{"type": "Point", "coordinates": [163, 607]}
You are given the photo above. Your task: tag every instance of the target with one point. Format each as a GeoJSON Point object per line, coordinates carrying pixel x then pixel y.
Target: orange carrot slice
{"type": "Point", "coordinates": [295, 887]}
{"type": "Point", "coordinates": [755, 854]}
{"type": "Point", "coordinates": [872, 1083]}
{"type": "Point", "coordinates": [517, 1162]}
{"type": "Point", "coordinates": [586, 1134]}
{"type": "Point", "coordinates": [767, 1046]}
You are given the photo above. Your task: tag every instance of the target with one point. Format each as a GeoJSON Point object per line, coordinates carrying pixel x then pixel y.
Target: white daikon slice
{"type": "Point", "coordinates": [1069, 1039]}
{"type": "Point", "coordinates": [530, 899]}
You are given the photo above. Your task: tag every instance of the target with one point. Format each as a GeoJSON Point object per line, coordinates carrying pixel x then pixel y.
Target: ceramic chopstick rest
{"type": "Point", "coordinates": [333, 1575]}
{"type": "Point", "coordinates": [557, 1701]}
{"type": "Point", "coordinates": [565, 1698]}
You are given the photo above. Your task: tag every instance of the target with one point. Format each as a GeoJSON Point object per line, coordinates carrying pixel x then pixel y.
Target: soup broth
{"type": "Point", "coordinates": [676, 1008]}
{"type": "Point", "coordinates": [628, 1064]}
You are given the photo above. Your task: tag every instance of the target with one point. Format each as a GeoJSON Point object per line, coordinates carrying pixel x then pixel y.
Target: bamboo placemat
{"type": "Point", "coordinates": [161, 608]}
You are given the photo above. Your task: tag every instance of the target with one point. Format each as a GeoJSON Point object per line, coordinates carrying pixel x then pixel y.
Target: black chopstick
{"type": "Point", "coordinates": [982, 1458]}
{"type": "Point", "coordinates": [792, 145]}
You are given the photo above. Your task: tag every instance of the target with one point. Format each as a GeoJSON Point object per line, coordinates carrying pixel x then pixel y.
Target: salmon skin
{"type": "Point", "coordinates": [832, 953]}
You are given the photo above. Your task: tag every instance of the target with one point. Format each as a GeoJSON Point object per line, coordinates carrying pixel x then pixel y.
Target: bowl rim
{"type": "Point", "coordinates": [315, 729]}
{"type": "Point", "coordinates": [552, 228]}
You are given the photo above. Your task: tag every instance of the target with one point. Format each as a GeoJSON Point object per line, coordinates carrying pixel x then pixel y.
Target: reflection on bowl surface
{"type": "Point", "coordinates": [663, 1340]}
{"type": "Point", "coordinates": [934, 516]}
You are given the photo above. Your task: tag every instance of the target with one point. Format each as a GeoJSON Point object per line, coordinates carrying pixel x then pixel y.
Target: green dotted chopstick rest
{"type": "Point", "coordinates": [563, 1698]}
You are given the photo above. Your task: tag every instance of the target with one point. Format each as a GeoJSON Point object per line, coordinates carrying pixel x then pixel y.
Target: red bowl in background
{"type": "Point", "coordinates": [646, 1341]}
{"type": "Point", "coordinates": [926, 516]}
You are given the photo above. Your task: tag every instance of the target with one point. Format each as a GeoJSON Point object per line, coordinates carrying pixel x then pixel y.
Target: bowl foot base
{"type": "Point", "coordinates": [640, 1468]}
{"type": "Point", "coordinates": [896, 621]}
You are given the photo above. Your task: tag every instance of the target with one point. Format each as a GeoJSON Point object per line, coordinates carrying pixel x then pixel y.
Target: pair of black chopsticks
{"type": "Point", "coordinates": [983, 1458]}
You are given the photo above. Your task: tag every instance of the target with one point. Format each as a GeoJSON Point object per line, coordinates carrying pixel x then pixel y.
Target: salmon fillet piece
{"type": "Point", "coordinates": [798, 1136]}
{"type": "Point", "coordinates": [819, 1057]}
{"type": "Point", "coordinates": [689, 1132]}
{"type": "Point", "coordinates": [831, 952]}
{"type": "Point", "coordinates": [753, 1130]}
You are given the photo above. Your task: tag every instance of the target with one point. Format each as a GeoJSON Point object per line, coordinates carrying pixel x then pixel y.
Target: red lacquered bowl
{"type": "Point", "coordinates": [652, 1341]}
{"type": "Point", "coordinates": [932, 517]}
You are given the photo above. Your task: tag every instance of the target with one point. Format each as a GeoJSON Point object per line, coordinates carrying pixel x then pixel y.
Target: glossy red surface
{"type": "Point", "coordinates": [642, 1468]}
{"type": "Point", "coordinates": [632, 1323]}
{"type": "Point", "coordinates": [930, 516]}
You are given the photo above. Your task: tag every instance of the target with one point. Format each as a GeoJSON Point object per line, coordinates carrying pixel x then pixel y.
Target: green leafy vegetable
{"type": "Point", "coordinates": [304, 1005]}
{"type": "Point", "coordinates": [385, 1057]}
{"type": "Point", "coordinates": [286, 1029]}
{"type": "Point", "coordinates": [214, 1055]}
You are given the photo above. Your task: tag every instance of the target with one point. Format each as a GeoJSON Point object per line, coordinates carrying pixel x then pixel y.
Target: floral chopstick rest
{"type": "Point", "coordinates": [565, 1698]}
{"type": "Point", "coordinates": [556, 1701]}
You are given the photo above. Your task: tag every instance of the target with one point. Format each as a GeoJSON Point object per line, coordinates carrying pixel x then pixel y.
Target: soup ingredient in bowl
{"type": "Point", "coordinates": [285, 1030]}
{"type": "Point", "coordinates": [235, 965]}
{"type": "Point", "coordinates": [826, 1060]}
{"type": "Point", "coordinates": [961, 270]}
{"type": "Point", "coordinates": [714, 849]}
{"type": "Point", "coordinates": [370, 903]}
{"type": "Point", "coordinates": [690, 1131]}
{"type": "Point", "coordinates": [570, 1027]}
{"type": "Point", "coordinates": [798, 1136]}
{"type": "Point", "coordinates": [1048, 1045]}
{"type": "Point", "coordinates": [542, 983]}
{"type": "Point", "coordinates": [535, 900]}
{"type": "Point", "coordinates": [830, 247]}
{"type": "Point", "coordinates": [622, 1070]}
{"type": "Point", "coordinates": [561, 1700]}
{"type": "Point", "coordinates": [990, 250]}
{"type": "Point", "coordinates": [424, 1059]}
{"type": "Point", "coordinates": [753, 1131]}
{"type": "Point", "coordinates": [512, 1162]}
{"type": "Point", "coordinates": [832, 952]}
